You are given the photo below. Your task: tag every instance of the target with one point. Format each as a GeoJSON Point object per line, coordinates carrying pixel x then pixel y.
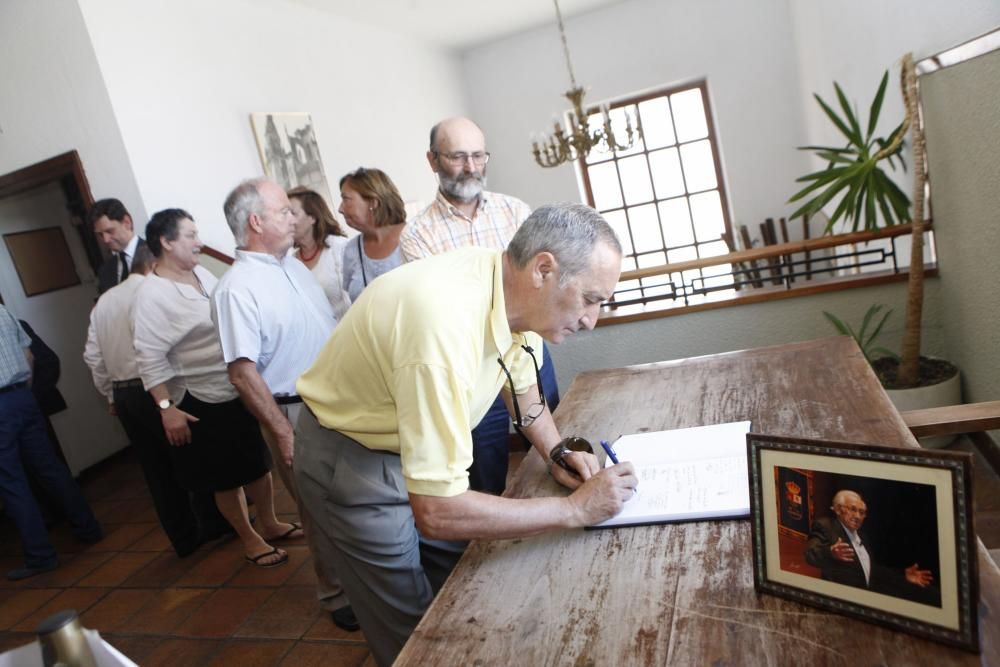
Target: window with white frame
{"type": "Point", "coordinates": [664, 196]}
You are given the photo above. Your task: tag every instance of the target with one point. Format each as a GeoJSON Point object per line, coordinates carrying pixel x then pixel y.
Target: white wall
{"type": "Point", "coordinates": [184, 75]}
{"type": "Point", "coordinates": [743, 327]}
{"type": "Point", "coordinates": [53, 99]}
{"type": "Point", "coordinates": [745, 50]}
{"type": "Point", "coordinates": [854, 41]}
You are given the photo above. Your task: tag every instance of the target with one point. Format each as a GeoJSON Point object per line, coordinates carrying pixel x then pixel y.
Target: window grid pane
{"type": "Point", "coordinates": [662, 196]}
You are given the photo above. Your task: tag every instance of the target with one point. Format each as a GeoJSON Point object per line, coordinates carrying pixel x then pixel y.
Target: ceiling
{"type": "Point", "coordinates": [456, 24]}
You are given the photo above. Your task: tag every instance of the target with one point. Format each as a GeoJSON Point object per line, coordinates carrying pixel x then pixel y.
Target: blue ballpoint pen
{"type": "Point", "coordinates": [611, 452]}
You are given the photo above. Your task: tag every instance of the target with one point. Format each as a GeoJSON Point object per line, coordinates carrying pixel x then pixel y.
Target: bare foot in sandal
{"type": "Point", "coordinates": [271, 558]}
{"type": "Point", "coordinates": [285, 531]}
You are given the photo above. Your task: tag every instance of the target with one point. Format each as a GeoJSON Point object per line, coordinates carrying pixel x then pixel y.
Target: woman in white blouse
{"type": "Point", "coordinates": [319, 244]}
{"type": "Point", "coordinates": [216, 443]}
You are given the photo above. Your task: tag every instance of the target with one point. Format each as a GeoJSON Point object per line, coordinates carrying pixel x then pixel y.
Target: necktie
{"type": "Point", "coordinates": [123, 271]}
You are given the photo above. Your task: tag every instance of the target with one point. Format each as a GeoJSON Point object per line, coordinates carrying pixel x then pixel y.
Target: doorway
{"type": "Point", "coordinates": [55, 194]}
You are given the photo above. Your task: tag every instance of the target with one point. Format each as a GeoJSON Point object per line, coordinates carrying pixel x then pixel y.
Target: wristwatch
{"type": "Point", "coordinates": [164, 404]}
{"type": "Point", "coordinates": [566, 446]}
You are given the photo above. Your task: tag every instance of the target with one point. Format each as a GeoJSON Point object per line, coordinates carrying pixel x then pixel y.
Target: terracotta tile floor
{"type": "Point", "coordinates": [212, 608]}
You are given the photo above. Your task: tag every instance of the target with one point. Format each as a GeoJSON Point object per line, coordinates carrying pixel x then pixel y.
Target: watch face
{"type": "Point", "coordinates": [165, 403]}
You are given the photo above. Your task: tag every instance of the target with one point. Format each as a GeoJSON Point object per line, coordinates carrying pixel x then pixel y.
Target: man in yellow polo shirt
{"type": "Point", "coordinates": [382, 452]}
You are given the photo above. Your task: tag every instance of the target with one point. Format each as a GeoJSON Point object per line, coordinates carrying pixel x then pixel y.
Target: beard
{"type": "Point", "coordinates": [465, 187]}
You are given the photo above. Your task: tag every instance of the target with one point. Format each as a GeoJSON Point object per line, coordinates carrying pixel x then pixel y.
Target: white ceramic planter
{"type": "Point", "coordinates": [938, 395]}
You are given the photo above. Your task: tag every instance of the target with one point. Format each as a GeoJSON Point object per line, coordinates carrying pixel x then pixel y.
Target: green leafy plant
{"type": "Point", "coordinates": [853, 172]}
{"type": "Point", "coordinates": [866, 335]}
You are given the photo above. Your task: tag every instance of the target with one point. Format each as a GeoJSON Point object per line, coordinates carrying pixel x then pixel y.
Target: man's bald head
{"type": "Point", "coordinates": [454, 129]}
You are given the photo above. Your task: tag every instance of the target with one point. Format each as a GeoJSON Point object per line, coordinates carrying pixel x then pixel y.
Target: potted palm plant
{"type": "Point", "coordinates": [868, 198]}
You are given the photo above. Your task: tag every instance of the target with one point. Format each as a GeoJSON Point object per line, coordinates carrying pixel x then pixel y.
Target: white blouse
{"type": "Point", "coordinates": [176, 341]}
{"type": "Point", "coordinates": [329, 270]}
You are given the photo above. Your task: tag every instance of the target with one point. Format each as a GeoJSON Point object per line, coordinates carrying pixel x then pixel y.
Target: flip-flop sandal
{"type": "Point", "coordinates": [256, 559]}
{"type": "Point", "coordinates": [287, 535]}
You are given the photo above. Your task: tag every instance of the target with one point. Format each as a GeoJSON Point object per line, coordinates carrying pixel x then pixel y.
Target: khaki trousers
{"type": "Point", "coordinates": [329, 591]}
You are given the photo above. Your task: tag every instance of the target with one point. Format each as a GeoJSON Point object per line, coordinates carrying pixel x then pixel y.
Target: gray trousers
{"type": "Point", "coordinates": [364, 530]}
{"type": "Point", "coordinates": [329, 591]}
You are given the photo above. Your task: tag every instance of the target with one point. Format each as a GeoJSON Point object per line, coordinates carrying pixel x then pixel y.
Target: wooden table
{"type": "Point", "coordinates": [679, 594]}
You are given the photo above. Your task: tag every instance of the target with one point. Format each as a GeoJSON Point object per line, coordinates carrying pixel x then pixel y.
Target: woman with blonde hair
{"type": "Point", "coordinates": [370, 203]}
{"type": "Point", "coordinates": [319, 244]}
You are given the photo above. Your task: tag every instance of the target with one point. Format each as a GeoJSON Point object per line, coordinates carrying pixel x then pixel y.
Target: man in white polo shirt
{"type": "Point", "coordinates": [383, 450]}
{"type": "Point", "coordinates": [273, 318]}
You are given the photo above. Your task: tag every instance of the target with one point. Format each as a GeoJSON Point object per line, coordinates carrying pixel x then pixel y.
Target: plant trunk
{"type": "Point", "coordinates": [910, 349]}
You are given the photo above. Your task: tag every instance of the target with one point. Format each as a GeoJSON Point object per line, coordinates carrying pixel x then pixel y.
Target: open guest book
{"type": "Point", "coordinates": [689, 474]}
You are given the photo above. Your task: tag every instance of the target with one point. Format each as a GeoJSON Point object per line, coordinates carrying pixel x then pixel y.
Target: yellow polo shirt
{"type": "Point", "coordinates": [413, 365]}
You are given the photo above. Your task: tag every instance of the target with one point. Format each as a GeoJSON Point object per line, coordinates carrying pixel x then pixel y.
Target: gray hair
{"type": "Point", "coordinates": [243, 201]}
{"type": "Point", "coordinates": [569, 231]}
{"type": "Point", "coordinates": [840, 496]}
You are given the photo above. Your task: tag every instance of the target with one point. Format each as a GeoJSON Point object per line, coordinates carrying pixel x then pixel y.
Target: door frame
{"type": "Point", "coordinates": [65, 169]}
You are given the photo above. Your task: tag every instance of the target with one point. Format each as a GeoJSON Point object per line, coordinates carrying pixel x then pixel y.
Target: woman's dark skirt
{"type": "Point", "coordinates": [226, 450]}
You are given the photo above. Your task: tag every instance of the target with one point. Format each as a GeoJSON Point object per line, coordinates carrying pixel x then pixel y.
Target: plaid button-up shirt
{"type": "Point", "coordinates": [13, 364]}
{"type": "Point", "coordinates": [441, 227]}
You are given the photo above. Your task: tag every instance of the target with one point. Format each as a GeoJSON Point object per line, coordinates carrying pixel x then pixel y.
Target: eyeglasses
{"type": "Point", "coordinates": [535, 410]}
{"type": "Point", "coordinates": [478, 158]}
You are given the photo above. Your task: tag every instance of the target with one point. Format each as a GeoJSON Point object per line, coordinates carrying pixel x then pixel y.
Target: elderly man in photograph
{"type": "Point", "coordinates": [382, 453]}
{"type": "Point", "coordinates": [837, 547]}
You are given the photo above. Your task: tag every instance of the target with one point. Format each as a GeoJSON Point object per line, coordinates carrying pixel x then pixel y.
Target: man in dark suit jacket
{"type": "Point", "coordinates": [113, 227]}
{"type": "Point", "coordinates": [844, 555]}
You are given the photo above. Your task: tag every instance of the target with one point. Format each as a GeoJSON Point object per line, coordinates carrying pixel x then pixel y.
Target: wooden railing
{"type": "Point", "coordinates": [216, 254]}
{"type": "Point", "coordinates": [778, 271]}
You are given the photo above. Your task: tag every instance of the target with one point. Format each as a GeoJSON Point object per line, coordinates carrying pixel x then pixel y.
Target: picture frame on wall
{"type": "Point", "coordinates": [289, 151]}
{"type": "Point", "coordinates": [42, 259]}
{"type": "Point", "coordinates": [884, 534]}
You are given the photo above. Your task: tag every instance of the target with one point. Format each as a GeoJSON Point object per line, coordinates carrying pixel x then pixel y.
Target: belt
{"type": "Point", "coordinates": [288, 400]}
{"type": "Point", "coordinates": [13, 387]}
{"type": "Point", "coordinates": [125, 384]}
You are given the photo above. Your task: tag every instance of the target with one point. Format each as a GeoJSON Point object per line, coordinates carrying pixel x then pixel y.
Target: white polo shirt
{"type": "Point", "coordinates": [274, 313]}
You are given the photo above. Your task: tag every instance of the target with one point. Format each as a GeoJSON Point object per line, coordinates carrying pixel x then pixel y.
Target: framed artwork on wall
{"type": "Point", "coordinates": [289, 152]}
{"type": "Point", "coordinates": [42, 259]}
{"type": "Point", "coordinates": [882, 534]}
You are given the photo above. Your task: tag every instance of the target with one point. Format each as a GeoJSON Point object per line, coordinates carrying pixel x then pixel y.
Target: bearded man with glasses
{"type": "Point", "coordinates": [382, 452]}
{"type": "Point", "coordinates": [464, 214]}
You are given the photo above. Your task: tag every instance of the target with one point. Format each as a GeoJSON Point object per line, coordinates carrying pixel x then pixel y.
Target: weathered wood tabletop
{"type": "Point", "coordinates": [679, 594]}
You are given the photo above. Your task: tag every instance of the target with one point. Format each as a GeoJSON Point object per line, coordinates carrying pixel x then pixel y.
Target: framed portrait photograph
{"type": "Point", "coordinates": [882, 534]}
{"type": "Point", "coordinates": [289, 152]}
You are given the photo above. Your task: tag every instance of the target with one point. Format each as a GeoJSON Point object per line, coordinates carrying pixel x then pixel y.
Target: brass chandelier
{"type": "Point", "coordinates": [562, 146]}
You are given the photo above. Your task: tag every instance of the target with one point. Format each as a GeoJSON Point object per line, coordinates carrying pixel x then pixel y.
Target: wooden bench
{"type": "Point", "coordinates": [953, 419]}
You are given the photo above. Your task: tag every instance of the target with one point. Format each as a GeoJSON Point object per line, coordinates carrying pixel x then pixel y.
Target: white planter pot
{"type": "Point", "coordinates": [938, 395]}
